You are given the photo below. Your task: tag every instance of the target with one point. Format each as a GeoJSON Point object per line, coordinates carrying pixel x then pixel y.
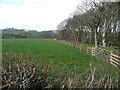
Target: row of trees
{"type": "Point", "coordinates": [93, 22]}
{"type": "Point", "coordinates": [22, 33]}
{"type": "Point", "coordinates": [13, 29]}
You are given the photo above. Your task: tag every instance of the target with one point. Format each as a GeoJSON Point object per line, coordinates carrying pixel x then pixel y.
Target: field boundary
{"type": "Point", "coordinates": [98, 52]}
{"type": "Point", "coordinates": [110, 57]}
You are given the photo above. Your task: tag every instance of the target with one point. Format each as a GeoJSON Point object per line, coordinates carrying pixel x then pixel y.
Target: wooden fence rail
{"type": "Point", "coordinates": [112, 58]}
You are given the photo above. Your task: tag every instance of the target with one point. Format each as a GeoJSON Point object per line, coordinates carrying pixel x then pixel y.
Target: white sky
{"type": "Point", "coordinates": [35, 14]}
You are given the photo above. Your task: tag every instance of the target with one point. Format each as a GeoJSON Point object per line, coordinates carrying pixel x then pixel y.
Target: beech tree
{"type": "Point", "coordinates": [93, 22]}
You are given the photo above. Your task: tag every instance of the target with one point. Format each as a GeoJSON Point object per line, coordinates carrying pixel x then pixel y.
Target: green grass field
{"type": "Point", "coordinates": [56, 63]}
{"type": "Point", "coordinates": [47, 49]}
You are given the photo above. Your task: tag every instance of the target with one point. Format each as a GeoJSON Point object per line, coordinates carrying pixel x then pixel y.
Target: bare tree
{"type": "Point", "coordinates": [93, 22]}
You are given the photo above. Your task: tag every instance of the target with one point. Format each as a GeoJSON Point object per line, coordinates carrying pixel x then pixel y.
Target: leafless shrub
{"type": "Point", "coordinates": [18, 72]}
{"type": "Point", "coordinates": [23, 72]}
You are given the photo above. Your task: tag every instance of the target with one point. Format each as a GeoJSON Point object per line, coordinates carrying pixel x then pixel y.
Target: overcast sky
{"type": "Point", "coordinates": [35, 14]}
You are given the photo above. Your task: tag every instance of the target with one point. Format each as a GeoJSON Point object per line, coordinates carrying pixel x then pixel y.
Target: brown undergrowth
{"type": "Point", "coordinates": [26, 72]}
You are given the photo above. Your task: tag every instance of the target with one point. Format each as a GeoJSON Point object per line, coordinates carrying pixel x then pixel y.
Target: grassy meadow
{"type": "Point", "coordinates": [48, 49]}
{"type": "Point", "coordinates": [56, 64]}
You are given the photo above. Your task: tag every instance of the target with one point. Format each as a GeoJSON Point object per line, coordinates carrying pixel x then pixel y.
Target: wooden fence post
{"type": "Point", "coordinates": [111, 52]}
{"type": "Point", "coordinates": [87, 49]}
{"type": "Point", "coordinates": [93, 51]}
{"type": "Point", "coordinates": [69, 43]}
{"type": "Point", "coordinates": [80, 48]}
{"type": "Point", "coordinates": [77, 45]}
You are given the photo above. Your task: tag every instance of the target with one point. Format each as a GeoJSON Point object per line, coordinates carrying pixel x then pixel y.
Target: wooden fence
{"type": "Point", "coordinates": [109, 56]}
{"type": "Point", "coordinates": [114, 59]}
{"type": "Point", "coordinates": [98, 52]}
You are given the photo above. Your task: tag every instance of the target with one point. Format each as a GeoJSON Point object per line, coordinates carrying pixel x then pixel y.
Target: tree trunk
{"type": "Point", "coordinates": [119, 28]}
{"type": "Point", "coordinates": [118, 38]}
{"type": "Point", "coordinates": [73, 35]}
{"type": "Point", "coordinates": [95, 38]}
{"type": "Point", "coordinates": [119, 43]}
{"type": "Point", "coordinates": [103, 35]}
{"type": "Point", "coordinates": [103, 40]}
{"type": "Point", "coordinates": [78, 34]}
